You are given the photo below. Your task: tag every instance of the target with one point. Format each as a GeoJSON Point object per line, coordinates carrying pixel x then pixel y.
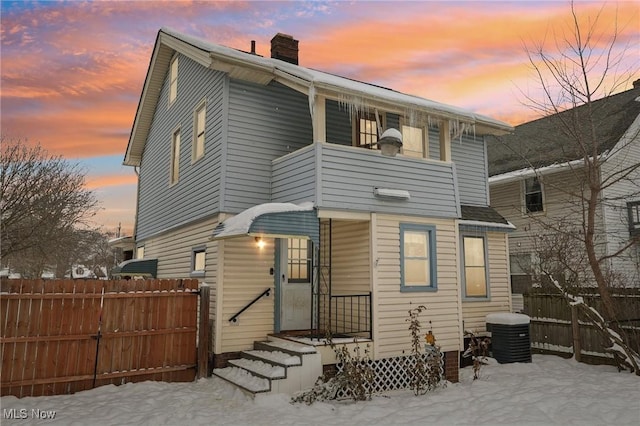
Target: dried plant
{"type": "Point", "coordinates": [478, 349]}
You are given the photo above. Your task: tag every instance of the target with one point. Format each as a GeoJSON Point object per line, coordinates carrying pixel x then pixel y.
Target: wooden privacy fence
{"type": "Point", "coordinates": [558, 328]}
{"type": "Point", "coordinates": [64, 336]}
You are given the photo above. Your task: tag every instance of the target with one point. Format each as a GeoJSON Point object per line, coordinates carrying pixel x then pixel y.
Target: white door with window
{"type": "Point", "coordinates": [295, 284]}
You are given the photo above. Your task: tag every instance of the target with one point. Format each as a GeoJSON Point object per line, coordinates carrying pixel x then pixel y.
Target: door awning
{"type": "Point", "coordinates": [272, 220]}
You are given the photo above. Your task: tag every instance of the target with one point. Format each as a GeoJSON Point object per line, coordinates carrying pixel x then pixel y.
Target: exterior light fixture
{"type": "Point", "coordinates": [260, 242]}
{"type": "Point", "coordinates": [390, 142]}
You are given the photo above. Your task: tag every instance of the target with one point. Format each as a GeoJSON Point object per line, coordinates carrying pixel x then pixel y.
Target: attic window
{"type": "Point", "coordinates": [173, 80]}
{"type": "Point", "coordinates": [533, 200]}
{"type": "Point", "coordinates": [634, 218]}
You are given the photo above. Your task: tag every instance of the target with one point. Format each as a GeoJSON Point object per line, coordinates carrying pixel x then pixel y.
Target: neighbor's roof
{"type": "Point", "coordinates": [262, 70]}
{"type": "Point", "coordinates": [541, 143]}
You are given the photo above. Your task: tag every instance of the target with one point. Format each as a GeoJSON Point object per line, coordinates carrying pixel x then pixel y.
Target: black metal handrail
{"type": "Point", "coordinates": [264, 293]}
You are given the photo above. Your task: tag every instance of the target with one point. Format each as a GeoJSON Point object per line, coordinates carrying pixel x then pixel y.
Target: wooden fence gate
{"type": "Point", "coordinates": [64, 336]}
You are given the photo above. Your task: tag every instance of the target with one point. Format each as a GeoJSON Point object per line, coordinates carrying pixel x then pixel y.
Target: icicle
{"type": "Point", "coordinates": [312, 99]}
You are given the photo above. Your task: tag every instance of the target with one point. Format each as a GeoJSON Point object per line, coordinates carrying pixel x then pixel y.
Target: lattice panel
{"type": "Point", "coordinates": [395, 373]}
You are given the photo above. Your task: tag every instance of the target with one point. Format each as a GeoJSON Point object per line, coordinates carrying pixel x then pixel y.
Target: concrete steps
{"type": "Point", "coordinates": [274, 366]}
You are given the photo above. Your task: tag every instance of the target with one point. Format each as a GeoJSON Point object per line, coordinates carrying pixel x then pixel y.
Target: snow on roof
{"type": "Point", "coordinates": [240, 224]}
{"type": "Point", "coordinates": [340, 84]}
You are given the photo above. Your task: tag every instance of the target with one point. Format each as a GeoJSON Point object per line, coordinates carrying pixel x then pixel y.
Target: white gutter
{"type": "Point", "coordinates": [531, 172]}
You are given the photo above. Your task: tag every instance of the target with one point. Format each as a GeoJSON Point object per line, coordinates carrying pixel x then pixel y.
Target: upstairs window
{"type": "Point", "coordinates": [173, 80]}
{"type": "Point", "coordinates": [174, 171]}
{"type": "Point", "coordinates": [533, 199]}
{"type": "Point", "coordinates": [475, 266]}
{"type": "Point", "coordinates": [199, 121]}
{"type": "Point", "coordinates": [366, 131]}
{"type": "Point", "coordinates": [634, 218]}
{"type": "Point", "coordinates": [413, 142]}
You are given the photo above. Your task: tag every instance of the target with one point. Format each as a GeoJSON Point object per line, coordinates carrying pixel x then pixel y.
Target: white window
{"type": "Point", "coordinates": [173, 80]}
{"type": "Point", "coordinates": [417, 258]}
{"type": "Point", "coordinates": [413, 142]}
{"type": "Point", "coordinates": [175, 157]}
{"type": "Point", "coordinates": [198, 260]}
{"type": "Point", "coordinates": [533, 198]}
{"type": "Point", "coordinates": [366, 130]}
{"type": "Point", "coordinates": [475, 266]}
{"type": "Point", "coordinates": [140, 252]}
{"type": "Point", "coordinates": [199, 121]}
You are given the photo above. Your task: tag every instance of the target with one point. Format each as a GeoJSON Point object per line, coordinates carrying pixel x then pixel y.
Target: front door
{"type": "Point", "coordinates": [295, 284]}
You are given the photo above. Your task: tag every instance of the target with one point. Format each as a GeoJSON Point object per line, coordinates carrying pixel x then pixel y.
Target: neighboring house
{"type": "Point", "coordinates": [536, 172]}
{"type": "Point", "coordinates": [282, 162]}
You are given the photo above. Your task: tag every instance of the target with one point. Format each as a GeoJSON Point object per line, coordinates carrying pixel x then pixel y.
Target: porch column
{"type": "Point", "coordinates": [319, 119]}
{"type": "Point", "coordinates": [445, 141]}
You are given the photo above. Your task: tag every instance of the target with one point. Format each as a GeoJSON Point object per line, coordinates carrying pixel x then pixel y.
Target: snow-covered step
{"type": "Point", "coordinates": [243, 379]}
{"type": "Point", "coordinates": [286, 346]}
{"type": "Point", "coordinates": [259, 368]}
{"type": "Point", "coordinates": [280, 358]}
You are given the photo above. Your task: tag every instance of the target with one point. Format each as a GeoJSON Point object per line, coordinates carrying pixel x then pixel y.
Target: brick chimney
{"type": "Point", "coordinates": [285, 48]}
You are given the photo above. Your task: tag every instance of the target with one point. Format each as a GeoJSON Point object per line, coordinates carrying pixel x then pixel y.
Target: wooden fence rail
{"type": "Point", "coordinates": [64, 336]}
{"type": "Point", "coordinates": [557, 328]}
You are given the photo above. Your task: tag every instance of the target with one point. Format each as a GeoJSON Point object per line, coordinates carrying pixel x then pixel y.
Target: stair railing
{"type": "Point", "coordinates": [263, 294]}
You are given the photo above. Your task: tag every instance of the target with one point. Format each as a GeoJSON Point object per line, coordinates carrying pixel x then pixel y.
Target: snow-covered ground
{"type": "Point", "coordinates": [550, 390]}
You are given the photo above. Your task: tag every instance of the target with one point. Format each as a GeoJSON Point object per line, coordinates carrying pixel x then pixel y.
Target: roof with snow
{"type": "Point", "coordinates": [262, 70]}
{"type": "Point", "coordinates": [545, 142]}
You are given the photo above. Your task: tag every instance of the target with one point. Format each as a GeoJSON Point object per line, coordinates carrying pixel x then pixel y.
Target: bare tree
{"type": "Point", "coordinates": [44, 201]}
{"type": "Point", "coordinates": [583, 67]}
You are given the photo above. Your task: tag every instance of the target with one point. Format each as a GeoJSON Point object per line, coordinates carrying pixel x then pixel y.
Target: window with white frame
{"type": "Point", "coordinates": [174, 171]}
{"type": "Point", "coordinates": [413, 141]}
{"type": "Point", "coordinates": [633, 209]}
{"type": "Point", "coordinates": [199, 121]}
{"type": "Point", "coordinates": [140, 252]}
{"type": "Point", "coordinates": [198, 260]}
{"type": "Point", "coordinates": [533, 197]}
{"type": "Point", "coordinates": [173, 80]}
{"type": "Point", "coordinates": [417, 258]}
{"type": "Point", "coordinates": [475, 266]}
{"type": "Point", "coordinates": [520, 264]}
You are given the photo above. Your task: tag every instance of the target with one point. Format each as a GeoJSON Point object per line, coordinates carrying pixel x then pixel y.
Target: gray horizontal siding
{"type": "Point", "coordinates": [196, 194]}
{"type": "Point", "coordinates": [265, 122]}
{"type": "Point", "coordinates": [469, 154]}
{"type": "Point", "coordinates": [294, 177]}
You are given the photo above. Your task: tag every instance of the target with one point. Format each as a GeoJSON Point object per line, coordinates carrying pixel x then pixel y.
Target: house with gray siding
{"type": "Point", "coordinates": [265, 180]}
{"type": "Point", "coordinates": [537, 179]}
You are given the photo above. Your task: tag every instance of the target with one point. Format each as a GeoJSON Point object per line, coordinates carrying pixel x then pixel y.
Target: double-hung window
{"type": "Point", "coordinates": [199, 121]}
{"type": "Point", "coordinates": [475, 273]}
{"type": "Point", "coordinates": [633, 209]}
{"type": "Point", "coordinates": [417, 258]}
{"type": "Point", "coordinates": [173, 80]}
{"type": "Point", "coordinates": [174, 170]}
{"type": "Point", "coordinates": [533, 197]}
{"type": "Point", "coordinates": [366, 129]}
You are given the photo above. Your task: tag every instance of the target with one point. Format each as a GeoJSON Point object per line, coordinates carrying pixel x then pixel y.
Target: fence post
{"type": "Point", "coordinates": [575, 331]}
{"type": "Point", "coordinates": [203, 332]}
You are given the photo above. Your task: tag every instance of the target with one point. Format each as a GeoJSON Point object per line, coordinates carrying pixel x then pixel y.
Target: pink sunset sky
{"type": "Point", "coordinates": [72, 72]}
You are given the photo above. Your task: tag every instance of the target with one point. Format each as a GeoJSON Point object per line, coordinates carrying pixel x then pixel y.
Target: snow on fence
{"type": "Point", "coordinates": [558, 328]}
{"type": "Point", "coordinates": [64, 336]}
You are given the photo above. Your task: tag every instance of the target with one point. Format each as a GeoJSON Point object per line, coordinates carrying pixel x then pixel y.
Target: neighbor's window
{"type": "Point", "coordinates": [173, 80]}
{"type": "Point", "coordinates": [417, 257]}
{"type": "Point", "coordinates": [475, 266]}
{"type": "Point", "coordinates": [198, 133]}
{"type": "Point", "coordinates": [533, 200]}
{"type": "Point", "coordinates": [634, 217]}
{"type": "Point", "coordinates": [413, 141]}
{"type": "Point", "coordinates": [198, 260]}
{"type": "Point", "coordinates": [520, 264]}
{"type": "Point", "coordinates": [175, 157]}
{"type": "Point", "coordinates": [366, 130]}
{"type": "Point", "coordinates": [140, 252]}
{"type": "Point", "coordinates": [299, 260]}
